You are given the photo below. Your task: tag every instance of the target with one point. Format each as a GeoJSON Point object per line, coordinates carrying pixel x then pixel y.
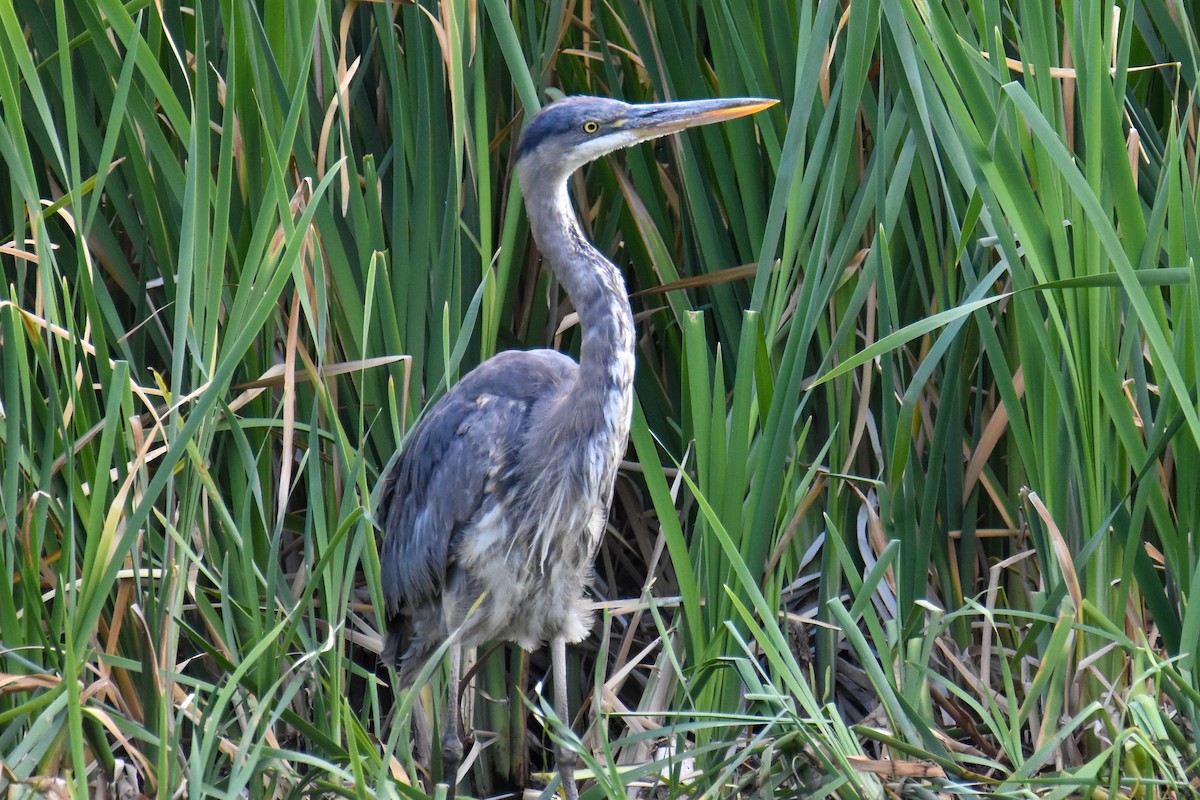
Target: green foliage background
{"type": "Point", "coordinates": [914, 482]}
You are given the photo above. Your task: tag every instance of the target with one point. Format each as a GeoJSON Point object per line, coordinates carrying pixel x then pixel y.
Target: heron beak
{"type": "Point", "coordinates": [659, 119]}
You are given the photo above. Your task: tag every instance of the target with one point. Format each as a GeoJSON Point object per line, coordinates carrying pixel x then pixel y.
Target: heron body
{"type": "Point", "coordinates": [516, 488]}
{"type": "Point", "coordinates": [493, 512]}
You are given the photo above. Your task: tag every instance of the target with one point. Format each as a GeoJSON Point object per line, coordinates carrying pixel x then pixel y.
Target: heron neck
{"type": "Point", "coordinates": [597, 290]}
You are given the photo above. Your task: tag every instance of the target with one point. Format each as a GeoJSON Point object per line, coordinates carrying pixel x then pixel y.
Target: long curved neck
{"type": "Point", "coordinates": [595, 286]}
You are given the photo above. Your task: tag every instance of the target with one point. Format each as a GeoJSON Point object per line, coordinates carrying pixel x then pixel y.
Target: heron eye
{"type": "Point", "coordinates": [591, 126]}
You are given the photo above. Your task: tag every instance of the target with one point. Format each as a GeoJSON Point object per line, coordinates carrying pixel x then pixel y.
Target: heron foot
{"type": "Point", "coordinates": [452, 754]}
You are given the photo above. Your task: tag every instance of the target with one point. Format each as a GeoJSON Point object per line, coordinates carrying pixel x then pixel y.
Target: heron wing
{"type": "Point", "coordinates": [448, 474]}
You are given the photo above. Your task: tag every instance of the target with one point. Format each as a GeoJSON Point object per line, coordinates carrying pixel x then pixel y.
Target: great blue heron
{"type": "Point", "coordinates": [493, 513]}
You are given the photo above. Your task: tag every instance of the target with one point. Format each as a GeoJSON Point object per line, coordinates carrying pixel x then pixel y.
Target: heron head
{"type": "Point", "coordinates": [569, 133]}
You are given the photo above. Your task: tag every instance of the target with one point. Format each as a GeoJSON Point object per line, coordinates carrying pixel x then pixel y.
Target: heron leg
{"type": "Point", "coordinates": [452, 745]}
{"type": "Point", "coordinates": [564, 757]}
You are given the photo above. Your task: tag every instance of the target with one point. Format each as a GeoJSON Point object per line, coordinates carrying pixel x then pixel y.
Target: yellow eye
{"type": "Point", "coordinates": [590, 126]}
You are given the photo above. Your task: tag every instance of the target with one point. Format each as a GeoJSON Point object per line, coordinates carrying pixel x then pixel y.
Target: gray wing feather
{"type": "Point", "coordinates": [452, 463]}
